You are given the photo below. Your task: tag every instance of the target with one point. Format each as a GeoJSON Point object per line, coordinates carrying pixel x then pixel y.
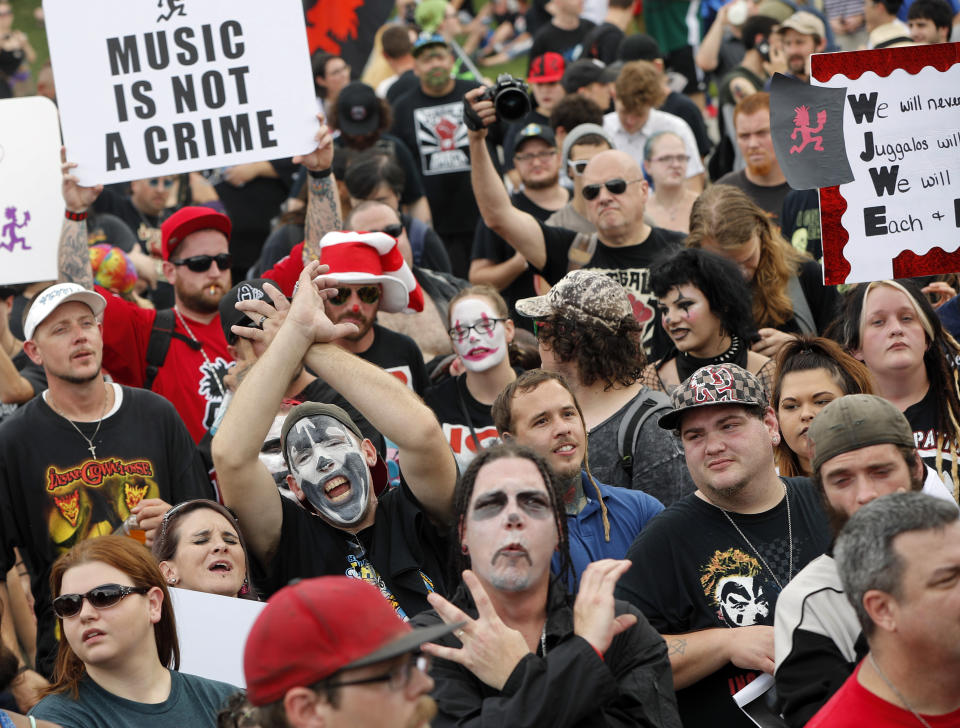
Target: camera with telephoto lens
{"type": "Point", "coordinates": [510, 98]}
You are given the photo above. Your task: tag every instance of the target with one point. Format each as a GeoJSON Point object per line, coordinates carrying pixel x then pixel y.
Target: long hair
{"type": "Point", "coordinates": [940, 361]}
{"type": "Point", "coordinates": [805, 353]}
{"type": "Point", "coordinates": [614, 357]}
{"type": "Point", "coordinates": [134, 560]}
{"type": "Point", "coordinates": [725, 216]}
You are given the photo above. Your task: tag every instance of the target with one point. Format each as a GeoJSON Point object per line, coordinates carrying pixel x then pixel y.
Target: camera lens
{"type": "Point", "coordinates": [512, 104]}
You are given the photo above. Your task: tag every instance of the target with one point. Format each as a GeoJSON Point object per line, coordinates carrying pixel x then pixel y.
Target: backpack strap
{"type": "Point", "coordinates": [628, 432]}
{"type": "Point", "coordinates": [159, 343]}
{"type": "Point", "coordinates": [417, 235]}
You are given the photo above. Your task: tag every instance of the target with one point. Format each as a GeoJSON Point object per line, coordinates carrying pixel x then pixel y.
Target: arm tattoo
{"type": "Point", "coordinates": [676, 647]}
{"type": "Point", "coordinates": [73, 259]}
{"type": "Point", "coordinates": [323, 214]}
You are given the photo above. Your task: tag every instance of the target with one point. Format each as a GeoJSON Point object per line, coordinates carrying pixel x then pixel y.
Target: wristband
{"type": "Point", "coordinates": [75, 216]}
{"type": "Point", "coordinates": [320, 174]}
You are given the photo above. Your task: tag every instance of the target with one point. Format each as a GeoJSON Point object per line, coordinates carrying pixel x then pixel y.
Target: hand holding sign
{"type": "Point", "coordinates": [320, 158]}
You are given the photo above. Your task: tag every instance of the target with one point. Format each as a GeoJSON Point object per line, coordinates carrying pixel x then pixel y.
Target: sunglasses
{"type": "Point", "coordinates": [485, 327]}
{"type": "Point", "coordinates": [398, 677]}
{"type": "Point", "coordinates": [616, 186]}
{"type": "Point", "coordinates": [100, 597]}
{"type": "Point", "coordinates": [201, 263]}
{"type": "Point", "coordinates": [394, 230]}
{"type": "Point", "coordinates": [157, 182]}
{"type": "Point", "coordinates": [577, 166]}
{"type": "Point", "coordinates": [366, 294]}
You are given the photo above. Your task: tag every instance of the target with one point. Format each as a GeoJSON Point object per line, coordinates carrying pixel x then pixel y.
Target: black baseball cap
{"type": "Point", "coordinates": [358, 109]}
{"type": "Point", "coordinates": [535, 131]}
{"type": "Point", "coordinates": [639, 47]}
{"type": "Point", "coordinates": [251, 290]}
{"type": "Point", "coordinates": [582, 73]}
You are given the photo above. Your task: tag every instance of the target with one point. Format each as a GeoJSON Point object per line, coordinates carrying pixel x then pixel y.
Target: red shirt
{"type": "Point", "coordinates": [186, 379]}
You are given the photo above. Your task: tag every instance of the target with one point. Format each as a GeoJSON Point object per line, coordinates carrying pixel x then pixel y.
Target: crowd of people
{"type": "Point", "coordinates": [547, 420]}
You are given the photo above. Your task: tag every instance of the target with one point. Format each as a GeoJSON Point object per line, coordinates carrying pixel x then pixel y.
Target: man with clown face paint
{"type": "Point", "coordinates": [481, 333]}
{"type": "Point", "coordinates": [344, 520]}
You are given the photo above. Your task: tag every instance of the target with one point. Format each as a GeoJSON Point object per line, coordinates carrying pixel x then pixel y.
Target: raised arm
{"type": "Point", "coordinates": [73, 258]}
{"type": "Point", "coordinates": [323, 200]}
{"type": "Point", "coordinates": [708, 54]}
{"type": "Point", "coordinates": [520, 229]}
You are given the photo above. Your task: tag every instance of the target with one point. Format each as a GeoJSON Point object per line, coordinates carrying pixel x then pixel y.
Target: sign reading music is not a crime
{"type": "Point", "coordinates": [148, 88]}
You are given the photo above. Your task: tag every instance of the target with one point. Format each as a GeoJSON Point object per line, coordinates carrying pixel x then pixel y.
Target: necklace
{"type": "Point", "coordinates": [687, 364]}
{"type": "Point", "coordinates": [90, 446]}
{"type": "Point", "coordinates": [896, 692]}
{"type": "Point", "coordinates": [757, 551]}
{"type": "Point", "coordinates": [543, 640]}
{"type": "Point", "coordinates": [210, 367]}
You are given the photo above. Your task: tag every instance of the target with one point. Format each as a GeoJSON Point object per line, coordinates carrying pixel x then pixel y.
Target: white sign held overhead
{"type": "Point", "coordinates": [183, 85]}
{"type": "Point", "coordinates": [31, 205]}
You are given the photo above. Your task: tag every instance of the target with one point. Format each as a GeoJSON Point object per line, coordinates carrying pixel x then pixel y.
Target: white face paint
{"type": "Point", "coordinates": [483, 346]}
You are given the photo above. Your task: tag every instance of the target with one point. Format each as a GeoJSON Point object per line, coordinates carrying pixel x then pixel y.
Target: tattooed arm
{"type": "Point", "coordinates": [695, 655]}
{"type": "Point", "coordinates": [73, 259]}
{"type": "Point", "coordinates": [323, 200]}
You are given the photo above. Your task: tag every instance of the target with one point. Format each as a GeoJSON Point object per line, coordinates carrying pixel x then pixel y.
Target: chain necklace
{"type": "Point", "coordinates": [210, 367]}
{"type": "Point", "coordinates": [897, 692]}
{"type": "Point", "coordinates": [757, 551]}
{"type": "Point", "coordinates": [90, 446]}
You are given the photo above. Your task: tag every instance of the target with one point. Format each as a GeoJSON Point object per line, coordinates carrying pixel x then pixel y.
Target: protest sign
{"type": "Point", "coordinates": [181, 85]}
{"type": "Point", "coordinates": [31, 205]}
{"type": "Point", "coordinates": [899, 216]}
{"type": "Point", "coordinates": [212, 631]}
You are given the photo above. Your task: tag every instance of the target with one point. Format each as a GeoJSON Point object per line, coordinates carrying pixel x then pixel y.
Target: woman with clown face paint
{"type": "Point", "coordinates": [481, 332]}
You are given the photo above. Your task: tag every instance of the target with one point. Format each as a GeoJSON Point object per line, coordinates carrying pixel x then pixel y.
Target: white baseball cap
{"type": "Point", "coordinates": [54, 297]}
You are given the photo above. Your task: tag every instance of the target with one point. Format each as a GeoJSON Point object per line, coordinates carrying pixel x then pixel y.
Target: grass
{"type": "Point", "coordinates": [23, 20]}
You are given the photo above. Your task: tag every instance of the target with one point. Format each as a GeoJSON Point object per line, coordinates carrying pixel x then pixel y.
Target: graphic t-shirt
{"type": "Point", "coordinates": [194, 386]}
{"type": "Point", "coordinates": [399, 355]}
{"type": "Point", "coordinates": [53, 494]}
{"type": "Point", "coordinates": [922, 419]}
{"type": "Point", "coordinates": [692, 570]}
{"type": "Point", "coordinates": [629, 264]}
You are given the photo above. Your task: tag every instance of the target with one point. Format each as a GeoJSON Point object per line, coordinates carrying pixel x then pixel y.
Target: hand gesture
{"type": "Point", "coordinates": [752, 647]}
{"type": "Point", "coordinates": [267, 319]}
{"type": "Point", "coordinates": [939, 290]}
{"type": "Point", "coordinates": [593, 611]}
{"type": "Point", "coordinates": [78, 198]}
{"type": "Point", "coordinates": [306, 311]}
{"type": "Point", "coordinates": [149, 513]}
{"type": "Point", "coordinates": [320, 158]}
{"type": "Point", "coordinates": [491, 650]}
{"type": "Point", "coordinates": [771, 341]}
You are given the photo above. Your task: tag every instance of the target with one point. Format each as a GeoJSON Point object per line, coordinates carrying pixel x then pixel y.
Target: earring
{"type": "Point", "coordinates": [776, 439]}
{"type": "Point", "coordinates": [464, 550]}
{"type": "Point", "coordinates": [172, 582]}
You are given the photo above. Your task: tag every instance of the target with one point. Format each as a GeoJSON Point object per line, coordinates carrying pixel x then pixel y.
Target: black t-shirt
{"type": "Point", "coordinates": [146, 228]}
{"type": "Point", "coordinates": [768, 198]}
{"type": "Point", "coordinates": [692, 570]}
{"type": "Point", "coordinates": [402, 553]}
{"type": "Point", "coordinates": [603, 42]}
{"type": "Point", "coordinates": [405, 82]}
{"type": "Point", "coordinates": [32, 373]}
{"type": "Point", "coordinates": [568, 43]}
{"type": "Point", "coordinates": [399, 355]}
{"type": "Point", "coordinates": [432, 128]}
{"type": "Point", "coordinates": [487, 245]}
{"type": "Point", "coordinates": [54, 495]}
{"type": "Point", "coordinates": [629, 264]}
{"type": "Point", "coordinates": [922, 417]}
{"type": "Point", "coordinates": [800, 222]}
{"type": "Point", "coordinates": [825, 302]}
{"type": "Point", "coordinates": [680, 105]}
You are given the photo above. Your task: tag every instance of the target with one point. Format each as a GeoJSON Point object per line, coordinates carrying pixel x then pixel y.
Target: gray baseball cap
{"type": "Point", "coordinates": [586, 295]}
{"type": "Point", "coordinates": [577, 133]}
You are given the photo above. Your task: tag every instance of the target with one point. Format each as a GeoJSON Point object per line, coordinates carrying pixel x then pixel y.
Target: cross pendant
{"type": "Point", "coordinates": [93, 451]}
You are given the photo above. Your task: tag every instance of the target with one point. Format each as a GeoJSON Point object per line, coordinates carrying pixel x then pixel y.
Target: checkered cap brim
{"type": "Point", "coordinates": [712, 385]}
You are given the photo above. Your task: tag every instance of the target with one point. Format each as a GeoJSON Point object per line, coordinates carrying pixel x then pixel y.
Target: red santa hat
{"type": "Point", "coordinates": [356, 258]}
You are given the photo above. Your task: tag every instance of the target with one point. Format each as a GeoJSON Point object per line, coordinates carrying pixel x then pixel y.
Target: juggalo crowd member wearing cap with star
{"type": "Point", "coordinates": [708, 570]}
{"type": "Point", "coordinates": [344, 522]}
{"type": "Point", "coordinates": [85, 455]}
{"type": "Point", "coordinates": [332, 652]}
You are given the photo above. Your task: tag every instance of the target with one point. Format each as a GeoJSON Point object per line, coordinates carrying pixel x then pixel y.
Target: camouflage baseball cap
{"type": "Point", "coordinates": [585, 295]}
{"type": "Point", "coordinates": [712, 385]}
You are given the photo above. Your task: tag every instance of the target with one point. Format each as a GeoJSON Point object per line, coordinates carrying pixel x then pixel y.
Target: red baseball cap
{"type": "Point", "coordinates": [318, 627]}
{"type": "Point", "coordinates": [547, 68]}
{"type": "Point", "coordinates": [188, 220]}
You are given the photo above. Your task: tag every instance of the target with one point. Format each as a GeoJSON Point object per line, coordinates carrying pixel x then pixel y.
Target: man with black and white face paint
{"type": "Point", "coordinates": [344, 520]}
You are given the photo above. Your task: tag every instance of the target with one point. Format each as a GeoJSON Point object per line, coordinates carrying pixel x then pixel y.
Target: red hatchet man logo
{"type": "Point", "coordinates": [801, 123]}
{"type": "Point", "coordinates": [641, 311]}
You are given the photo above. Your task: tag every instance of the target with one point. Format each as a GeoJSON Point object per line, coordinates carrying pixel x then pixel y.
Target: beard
{"type": "Point", "coordinates": [203, 301]}
{"type": "Point", "coordinates": [542, 184]}
{"type": "Point", "coordinates": [363, 323]}
{"type": "Point", "coordinates": [760, 170]}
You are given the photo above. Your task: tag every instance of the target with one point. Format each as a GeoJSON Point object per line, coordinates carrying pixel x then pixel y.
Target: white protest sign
{"type": "Point", "coordinates": [31, 205]}
{"type": "Point", "coordinates": [900, 216]}
{"type": "Point", "coordinates": [148, 88]}
{"type": "Point", "coordinates": [212, 631]}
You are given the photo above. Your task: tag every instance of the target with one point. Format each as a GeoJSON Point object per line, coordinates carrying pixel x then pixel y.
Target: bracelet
{"type": "Point", "coordinates": [320, 174]}
{"type": "Point", "coordinates": [75, 216]}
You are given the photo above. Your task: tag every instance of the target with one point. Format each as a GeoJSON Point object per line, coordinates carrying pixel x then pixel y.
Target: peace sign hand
{"type": "Point", "coordinates": [491, 650]}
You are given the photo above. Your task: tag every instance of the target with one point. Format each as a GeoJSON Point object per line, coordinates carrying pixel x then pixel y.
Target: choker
{"type": "Point", "coordinates": [687, 364]}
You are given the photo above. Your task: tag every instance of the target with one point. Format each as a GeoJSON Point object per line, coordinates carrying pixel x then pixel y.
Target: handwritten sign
{"type": "Point", "coordinates": [900, 215]}
{"type": "Point", "coordinates": [181, 85]}
{"type": "Point", "coordinates": [31, 206]}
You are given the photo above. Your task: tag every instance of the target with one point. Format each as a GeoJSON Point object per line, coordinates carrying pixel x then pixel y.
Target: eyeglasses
{"type": "Point", "coordinates": [394, 231]}
{"type": "Point", "coordinates": [100, 597]}
{"type": "Point", "coordinates": [485, 327]}
{"type": "Point", "coordinates": [366, 294]}
{"type": "Point", "coordinates": [577, 166]}
{"type": "Point", "coordinates": [545, 154]}
{"type": "Point", "coordinates": [157, 182]}
{"type": "Point", "coordinates": [398, 677]}
{"type": "Point", "coordinates": [672, 159]}
{"type": "Point", "coordinates": [616, 186]}
{"type": "Point", "coordinates": [201, 263]}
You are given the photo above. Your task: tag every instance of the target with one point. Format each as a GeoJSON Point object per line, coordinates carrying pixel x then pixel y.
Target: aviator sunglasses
{"type": "Point", "coordinates": [616, 186]}
{"type": "Point", "coordinates": [366, 294]}
{"type": "Point", "coordinates": [201, 263]}
{"type": "Point", "coordinates": [100, 597]}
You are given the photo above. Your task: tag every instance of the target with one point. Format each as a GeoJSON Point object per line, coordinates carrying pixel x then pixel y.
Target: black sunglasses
{"type": "Point", "coordinates": [100, 597]}
{"type": "Point", "coordinates": [616, 186]}
{"type": "Point", "coordinates": [201, 263]}
{"type": "Point", "coordinates": [394, 230]}
{"type": "Point", "coordinates": [398, 677]}
{"type": "Point", "coordinates": [367, 294]}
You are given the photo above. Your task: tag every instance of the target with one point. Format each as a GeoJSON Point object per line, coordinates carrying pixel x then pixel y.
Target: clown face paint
{"type": "Point", "coordinates": [484, 345]}
{"type": "Point", "coordinates": [330, 469]}
{"type": "Point", "coordinates": [272, 456]}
